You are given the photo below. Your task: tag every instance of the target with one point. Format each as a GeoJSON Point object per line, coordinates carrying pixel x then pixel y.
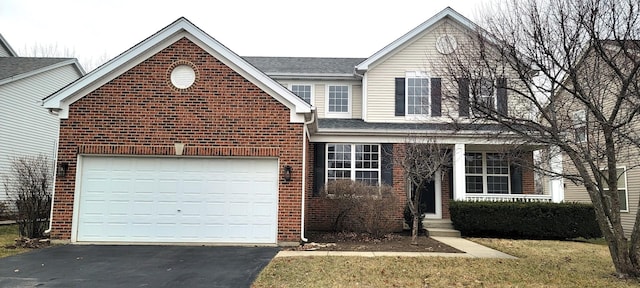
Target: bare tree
{"type": "Point", "coordinates": [572, 71]}
{"type": "Point", "coordinates": [28, 186]}
{"type": "Point", "coordinates": [53, 50]}
{"type": "Point", "coordinates": [420, 161]}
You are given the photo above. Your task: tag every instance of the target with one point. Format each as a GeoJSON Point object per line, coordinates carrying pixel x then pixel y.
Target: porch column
{"type": "Point", "coordinates": [459, 180]}
{"type": "Point", "coordinates": [556, 183]}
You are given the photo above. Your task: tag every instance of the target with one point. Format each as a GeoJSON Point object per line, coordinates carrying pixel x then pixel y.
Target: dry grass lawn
{"type": "Point", "coordinates": [540, 264]}
{"type": "Point", "coordinates": [8, 235]}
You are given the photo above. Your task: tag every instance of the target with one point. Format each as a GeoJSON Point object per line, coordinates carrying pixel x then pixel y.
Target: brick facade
{"type": "Point", "coordinates": [141, 113]}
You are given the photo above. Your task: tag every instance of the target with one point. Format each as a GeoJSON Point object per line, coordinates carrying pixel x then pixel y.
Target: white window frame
{"type": "Point", "coordinates": [353, 168]}
{"type": "Point", "coordinates": [330, 114]}
{"type": "Point", "coordinates": [580, 126]}
{"type": "Point", "coordinates": [417, 75]}
{"type": "Point", "coordinates": [485, 175]}
{"type": "Point", "coordinates": [311, 97]}
{"type": "Point", "coordinates": [477, 86]}
{"type": "Point", "coordinates": [626, 187]}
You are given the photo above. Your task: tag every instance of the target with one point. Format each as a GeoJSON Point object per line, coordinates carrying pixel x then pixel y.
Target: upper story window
{"type": "Point", "coordinates": [622, 187]}
{"type": "Point", "coordinates": [357, 162]}
{"type": "Point", "coordinates": [476, 94]}
{"type": "Point", "coordinates": [580, 126]}
{"type": "Point", "coordinates": [417, 93]}
{"type": "Point", "coordinates": [339, 101]}
{"type": "Point", "coordinates": [487, 173]}
{"type": "Point", "coordinates": [484, 93]}
{"type": "Point", "coordinates": [303, 91]}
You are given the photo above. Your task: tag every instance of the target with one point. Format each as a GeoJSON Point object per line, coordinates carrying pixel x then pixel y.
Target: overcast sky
{"type": "Point", "coordinates": [94, 29]}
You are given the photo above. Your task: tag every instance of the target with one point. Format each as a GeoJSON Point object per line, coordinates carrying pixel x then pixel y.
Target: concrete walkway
{"type": "Point", "coordinates": [471, 250]}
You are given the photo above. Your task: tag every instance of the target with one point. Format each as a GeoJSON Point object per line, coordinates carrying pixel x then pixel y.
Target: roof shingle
{"type": "Point", "coordinates": [13, 66]}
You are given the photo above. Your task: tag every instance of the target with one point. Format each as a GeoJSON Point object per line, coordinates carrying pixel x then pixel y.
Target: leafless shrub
{"type": "Point", "coordinates": [359, 207]}
{"type": "Point", "coordinates": [28, 186]}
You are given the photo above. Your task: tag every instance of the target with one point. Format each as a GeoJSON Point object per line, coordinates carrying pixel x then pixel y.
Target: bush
{"type": "Point", "coordinates": [358, 207]}
{"type": "Point", "coordinates": [28, 186]}
{"type": "Point", "coordinates": [532, 220]}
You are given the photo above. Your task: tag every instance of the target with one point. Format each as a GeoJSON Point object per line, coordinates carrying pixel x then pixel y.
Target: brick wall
{"type": "Point", "coordinates": [319, 216]}
{"type": "Point", "coordinates": [528, 179]}
{"type": "Point", "coordinates": [141, 113]}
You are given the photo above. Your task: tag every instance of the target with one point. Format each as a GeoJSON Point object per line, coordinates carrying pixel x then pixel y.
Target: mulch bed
{"type": "Point", "coordinates": [363, 242]}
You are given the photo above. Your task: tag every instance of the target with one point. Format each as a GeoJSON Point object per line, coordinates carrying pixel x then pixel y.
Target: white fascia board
{"type": "Point", "coordinates": [446, 12]}
{"type": "Point", "coordinates": [44, 69]}
{"type": "Point", "coordinates": [154, 44]}
{"type": "Point", "coordinates": [403, 138]}
{"type": "Point", "coordinates": [9, 48]}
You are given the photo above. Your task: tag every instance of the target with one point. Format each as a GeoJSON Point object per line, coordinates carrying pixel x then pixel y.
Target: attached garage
{"type": "Point", "coordinates": [177, 200]}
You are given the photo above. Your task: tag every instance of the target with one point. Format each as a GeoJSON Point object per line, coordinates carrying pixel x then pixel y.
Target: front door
{"type": "Point", "coordinates": [431, 200]}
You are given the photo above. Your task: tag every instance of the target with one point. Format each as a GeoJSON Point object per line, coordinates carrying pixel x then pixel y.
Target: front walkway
{"type": "Point", "coordinates": [471, 250]}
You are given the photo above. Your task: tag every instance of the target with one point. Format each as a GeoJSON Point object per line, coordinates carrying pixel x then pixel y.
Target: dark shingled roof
{"type": "Point", "coordinates": [359, 124]}
{"type": "Point", "coordinates": [13, 66]}
{"type": "Point", "coordinates": [304, 65]}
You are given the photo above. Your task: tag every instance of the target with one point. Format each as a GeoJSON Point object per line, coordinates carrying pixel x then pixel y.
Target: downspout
{"type": "Point", "coordinates": [305, 133]}
{"type": "Point", "coordinates": [55, 173]}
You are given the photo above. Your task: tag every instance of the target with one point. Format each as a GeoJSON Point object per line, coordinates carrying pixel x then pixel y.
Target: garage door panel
{"type": "Point", "coordinates": [126, 199]}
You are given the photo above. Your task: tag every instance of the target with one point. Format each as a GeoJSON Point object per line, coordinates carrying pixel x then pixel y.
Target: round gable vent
{"type": "Point", "coordinates": [183, 76]}
{"type": "Point", "coordinates": [446, 44]}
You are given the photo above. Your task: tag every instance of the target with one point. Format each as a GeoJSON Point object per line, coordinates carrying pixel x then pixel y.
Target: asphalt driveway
{"type": "Point", "coordinates": [135, 266]}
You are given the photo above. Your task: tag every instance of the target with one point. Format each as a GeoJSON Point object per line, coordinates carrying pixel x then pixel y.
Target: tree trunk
{"type": "Point", "coordinates": [416, 224]}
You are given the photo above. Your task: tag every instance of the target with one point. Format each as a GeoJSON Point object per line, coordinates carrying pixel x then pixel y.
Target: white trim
{"type": "Point", "coordinates": [353, 160]}
{"type": "Point", "coordinates": [9, 49]}
{"type": "Point", "coordinates": [407, 38]}
{"type": "Point", "coordinates": [556, 183]}
{"type": "Point", "coordinates": [438, 197]}
{"type": "Point", "coordinates": [160, 40]}
{"type": "Point", "coordinates": [365, 97]}
{"type": "Point", "coordinates": [626, 188]}
{"type": "Point", "coordinates": [579, 119]}
{"type": "Point", "coordinates": [485, 175]}
{"type": "Point", "coordinates": [329, 114]}
{"type": "Point", "coordinates": [76, 200]}
{"type": "Point", "coordinates": [416, 75]}
{"type": "Point", "coordinates": [459, 178]}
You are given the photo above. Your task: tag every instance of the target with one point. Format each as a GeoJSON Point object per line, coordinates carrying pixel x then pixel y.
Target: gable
{"type": "Point", "coordinates": [171, 34]}
{"type": "Point", "coordinates": [413, 35]}
{"type": "Point", "coordinates": [5, 48]}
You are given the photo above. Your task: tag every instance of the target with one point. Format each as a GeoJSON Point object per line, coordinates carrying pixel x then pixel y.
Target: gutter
{"type": "Point", "coordinates": [305, 136]}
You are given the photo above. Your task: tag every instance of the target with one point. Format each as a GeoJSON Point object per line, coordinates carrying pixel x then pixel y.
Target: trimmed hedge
{"type": "Point", "coordinates": [531, 220]}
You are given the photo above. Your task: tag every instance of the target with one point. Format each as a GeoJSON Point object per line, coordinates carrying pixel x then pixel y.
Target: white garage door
{"type": "Point", "coordinates": [127, 199]}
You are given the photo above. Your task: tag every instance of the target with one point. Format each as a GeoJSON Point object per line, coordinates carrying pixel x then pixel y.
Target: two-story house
{"type": "Point", "coordinates": [611, 91]}
{"type": "Point", "coordinates": [26, 129]}
{"type": "Point", "coordinates": [179, 139]}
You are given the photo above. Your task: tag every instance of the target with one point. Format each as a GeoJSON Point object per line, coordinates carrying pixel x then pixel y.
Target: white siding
{"type": "Point", "coordinates": [25, 127]}
{"type": "Point", "coordinates": [419, 55]}
{"type": "Point", "coordinates": [4, 52]}
{"type": "Point", "coordinates": [319, 94]}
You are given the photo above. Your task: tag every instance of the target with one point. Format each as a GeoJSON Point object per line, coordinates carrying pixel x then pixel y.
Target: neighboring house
{"type": "Point", "coordinates": [586, 134]}
{"type": "Point", "coordinates": [179, 139]}
{"type": "Point", "coordinates": [25, 128]}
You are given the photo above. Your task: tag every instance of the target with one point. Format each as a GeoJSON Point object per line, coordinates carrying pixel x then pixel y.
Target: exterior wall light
{"type": "Point", "coordinates": [287, 173]}
{"type": "Point", "coordinates": [63, 167]}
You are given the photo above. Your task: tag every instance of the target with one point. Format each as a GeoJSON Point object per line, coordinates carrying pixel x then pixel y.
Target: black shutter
{"type": "Point", "coordinates": [516, 178]}
{"type": "Point", "coordinates": [436, 97]}
{"type": "Point", "coordinates": [318, 168]}
{"type": "Point", "coordinates": [387, 164]}
{"type": "Point", "coordinates": [463, 97]}
{"type": "Point", "coordinates": [399, 96]}
{"type": "Point", "coordinates": [501, 84]}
